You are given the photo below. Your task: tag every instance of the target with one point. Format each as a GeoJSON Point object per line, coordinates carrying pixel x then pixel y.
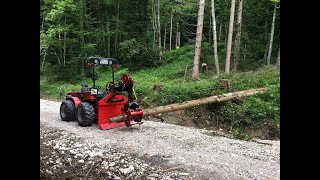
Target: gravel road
{"type": "Point", "coordinates": [194, 154]}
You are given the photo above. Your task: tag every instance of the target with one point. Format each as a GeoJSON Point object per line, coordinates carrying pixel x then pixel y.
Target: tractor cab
{"type": "Point", "coordinates": [96, 90]}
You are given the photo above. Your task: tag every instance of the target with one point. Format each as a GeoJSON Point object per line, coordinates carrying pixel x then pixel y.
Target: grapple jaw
{"type": "Point", "coordinates": [134, 115]}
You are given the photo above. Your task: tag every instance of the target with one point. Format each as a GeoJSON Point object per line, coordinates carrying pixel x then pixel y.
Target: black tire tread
{"type": "Point", "coordinates": [70, 111]}
{"type": "Point", "coordinates": [89, 114]}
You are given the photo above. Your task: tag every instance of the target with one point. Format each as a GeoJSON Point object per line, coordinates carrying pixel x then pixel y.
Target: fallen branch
{"type": "Point", "coordinates": [165, 170]}
{"type": "Point", "coordinates": [89, 170]}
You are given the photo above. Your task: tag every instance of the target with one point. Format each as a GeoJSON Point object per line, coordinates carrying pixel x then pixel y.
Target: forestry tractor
{"type": "Point", "coordinates": [92, 104]}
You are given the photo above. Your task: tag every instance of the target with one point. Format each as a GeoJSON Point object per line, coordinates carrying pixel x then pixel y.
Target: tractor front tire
{"type": "Point", "coordinates": [85, 114]}
{"type": "Point", "coordinates": [67, 111]}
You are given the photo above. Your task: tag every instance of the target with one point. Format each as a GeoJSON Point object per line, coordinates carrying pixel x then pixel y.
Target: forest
{"type": "Point", "coordinates": [163, 44]}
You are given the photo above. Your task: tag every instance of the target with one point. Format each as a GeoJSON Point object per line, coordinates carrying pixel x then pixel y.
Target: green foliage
{"type": "Point", "coordinates": [129, 49]}
{"type": "Point", "coordinates": [258, 111]}
{"type": "Point", "coordinates": [71, 31]}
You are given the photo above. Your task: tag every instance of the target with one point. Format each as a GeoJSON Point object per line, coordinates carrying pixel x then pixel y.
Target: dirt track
{"type": "Point", "coordinates": [167, 145]}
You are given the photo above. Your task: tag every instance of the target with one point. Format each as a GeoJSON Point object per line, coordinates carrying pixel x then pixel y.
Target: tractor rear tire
{"type": "Point", "coordinates": [67, 111]}
{"type": "Point", "coordinates": [85, 114]}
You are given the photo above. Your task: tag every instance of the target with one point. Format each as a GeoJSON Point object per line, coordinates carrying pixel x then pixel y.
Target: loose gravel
{"type": "Point", "coordinates": [169, 151]}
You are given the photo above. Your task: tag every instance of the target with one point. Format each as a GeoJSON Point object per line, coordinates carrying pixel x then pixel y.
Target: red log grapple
{"type": "Point", "coordinates": [92, 104]}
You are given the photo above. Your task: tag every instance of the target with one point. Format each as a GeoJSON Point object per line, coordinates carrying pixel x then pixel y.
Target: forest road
{"type": "Point", "coordinates": [167, 145]}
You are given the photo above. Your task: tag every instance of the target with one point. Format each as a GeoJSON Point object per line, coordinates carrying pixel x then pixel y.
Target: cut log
{"type": "Point", "coordinates": [193, 103]}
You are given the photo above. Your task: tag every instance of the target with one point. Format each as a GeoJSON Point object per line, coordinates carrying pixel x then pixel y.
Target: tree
{"type": "Point", "coordinates": [197, 51]}
{"type": "Point", "coordinates": [238, 37]}
{"type": "Point", "coordinates": [159, 31]}
{"type": "Point", "coordinates": [171, 17]}
{"type": "Point", "coordinates": [227, 66]}
{"type": "Point", "coordinates": [216, 61]}
{"type": "Point", "coordinates": [278, 58]}
{"type": "Point", "coordinates": [272, 33]}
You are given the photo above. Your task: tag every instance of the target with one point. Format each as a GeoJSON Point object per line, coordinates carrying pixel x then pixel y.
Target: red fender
{"type": "Point", "coordinates": [76, 101]}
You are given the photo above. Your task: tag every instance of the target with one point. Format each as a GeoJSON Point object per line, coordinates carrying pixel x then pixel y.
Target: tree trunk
{"type": "Point", "coordinates": [278, 58]}
{"type": "Point", "coordinates": [193, 103]}
{"type": "Point", "coordinates": [177, 32]}
{"type": "Point", "coordinates": [215, 48]}
{"type": "Point", "coordinates": [245, 52]}
{"type": "Point", "coordinates": [116, 38]}
{"type": "Point", "coordinates": [210, 30]}
{"type": "Point", "coordinates": [238, 37]}
{"type": "Point", "coordinates": [108, 39]}
{"type": "Point", "coordinates": [82, 43]}
{"type": "Point", "coordinates": [197, 51]}
{"type": "Point", "coordinates": [271, 33]}
{"type": "Point", "coordinates": [154, 23]}
{"type": "Point", "coordinates": [44, 58]}
{"type": "Point", "coordinates": [60, 50]}
{"type": "Point", "coordinates": [179, 39]}
{"type": "Point", "coordinates": [265, 53]}
{"type": "Point", "coordinates": [64, 44]}
{"type": "Point", "coordinates": [165, 37]}
{"type": "Point", "coordinates": [42, 24]}
{"type": "Point", "coordinates": [220, 31]}
{"type": "Point", "coordinates": [171, 29]}
{"type": "Point", "coordinates": [227, 66]}
{"type": "Point", "coordinates": [266, 37]}
{"type": "Point", "coordinates": [159, 31]}
{"type": "Point", "coordinates": [226, 32]}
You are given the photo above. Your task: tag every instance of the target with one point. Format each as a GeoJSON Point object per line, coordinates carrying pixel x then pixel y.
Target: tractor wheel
{"type": "Point", "coordinates": [67, 111]}
{"type": "Point", "coordinates": [85, 114]}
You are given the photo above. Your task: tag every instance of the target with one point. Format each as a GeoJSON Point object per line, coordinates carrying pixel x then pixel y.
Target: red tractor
{"type": "Point", "coordinates": [92, 104]}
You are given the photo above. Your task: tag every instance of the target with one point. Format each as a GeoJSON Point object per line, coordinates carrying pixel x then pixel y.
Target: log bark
{"type": "Point", "coordinates": [193, 103]}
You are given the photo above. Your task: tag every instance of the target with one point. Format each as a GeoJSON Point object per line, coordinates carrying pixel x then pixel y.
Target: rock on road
{"type": "Point", "coordinates": [211, 157]}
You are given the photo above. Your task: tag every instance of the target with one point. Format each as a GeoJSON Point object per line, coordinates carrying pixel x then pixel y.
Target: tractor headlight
{"type": "Point", "coordinates": [105, 61]}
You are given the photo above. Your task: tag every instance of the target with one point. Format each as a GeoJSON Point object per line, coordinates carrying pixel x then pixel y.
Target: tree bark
{"type": "Point", "coordinates": [215, 48]}
{"type": "Point", "coordinates": [154, 23]}
{"type": "Point", "coordinates": [42, 24]}
{"type": "Point", "coordinates": [227, 66]}
{"type": "Point", "coordinates": [272, 33]}
{"type": "Point", "coordinates": [82, 43]}
{"type": "Point", "coordinates": [108, 39]}
{"type": "Point", "coordinates": [116, 38]}
{"type": "Point", "coordinates": [278, 58]}
{"type": "Point", "coordinates": [238, 37]}
{"type": "Point", "coordinates": [159, 31]}
{"type": "Point", "coordinates": [179, 39]}
{"type": "Point", "coordinates": [226, 32]}
{"type": "Point", "coordinates": [171, 29]}
{"type": "Point", "coordinates": [197, 51]}
{"type": "Point", "coordinates": [44, 58]}
{"type": "Point", "coordinates": [210, 29]}
{"type": "Point", "coordinates": [165, 36]}
{"type": "Point", "coordinates": [177, 31]}
{"type": "Point", "coordinates": [220, 32]}
{"type": "Point", "coordinates": [64, 44]}
{"type": "Point", "coordinates": [193, 103]}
